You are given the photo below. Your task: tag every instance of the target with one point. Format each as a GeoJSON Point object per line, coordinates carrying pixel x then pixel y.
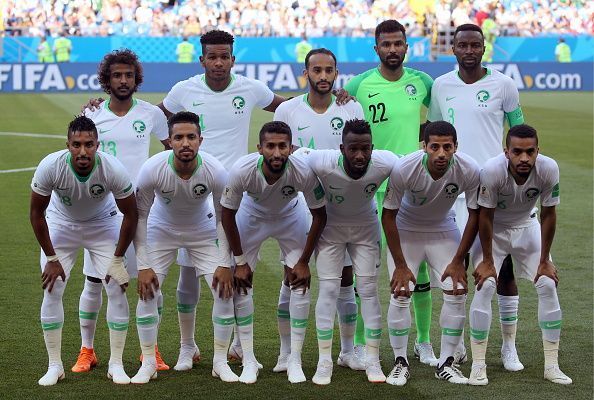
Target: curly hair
{"type": "Point", "coordinates": [216, 37]}
{"type": "Point", "coordinates": [123, 56]}
{"type": "Point", "coordinates": [357, 127]}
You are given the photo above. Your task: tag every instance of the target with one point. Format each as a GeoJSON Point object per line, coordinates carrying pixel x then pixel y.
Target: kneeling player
{"type": "Point", "coordinates": [271, 178]}
{"type": "Point", "coordinates": [181, 180]}
{"type": "Point", "coordinates": [510, 185]}
{"type": "Point", "coordinates": [350, 177]}
{"type": "Point", "coordinates": [420, 226]}
{"type": "Point", "coordinates": [76, 187]}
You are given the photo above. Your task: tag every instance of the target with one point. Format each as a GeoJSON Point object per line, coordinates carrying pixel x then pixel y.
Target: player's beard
{"type": "Point", "coordinates": [524, 173]}
{"type": "Point", "coordinates": [273, 169]}
{"type": "Point", "coordinates": [314, 86]}
{"type": "Point", "coordinates": [186, 159]}
{"type": "Point", "coordinates": [358, 170]}
{"type": "Point", "coordinates": [392, 67]}
{"type": "Point", "coordinates": [121, 97]}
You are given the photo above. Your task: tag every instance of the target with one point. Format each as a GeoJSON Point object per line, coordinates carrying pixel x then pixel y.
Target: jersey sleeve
{"type": "Point", "coordinates": [145, 190]}
{"type": "Point", "coordinates": [395, 190]}
{"type": "Point", "coordinates": [428, 83]}
{"type": "Point", "coordinates": [356, 110]}
{"type": "Point", "coordinates": [220, 177]}
{"type": "Point", "coordinates": [489, 188]}
{"type": "Point", "coordinates": [550, 191]}
{"type": "Point", "coordinates": [233, 192]}
{"type": "Point", "coordinates": [173, 100]}
{"type": "Point", "coordinates": [473, 181]}
{"type": "Point", "coordinates": [434, 111]}
{"type": "Point", "coordinates": [312, 189]}
{"type": "Point", "coordinates": [353, 84]}
{"type": "Point", "coordinates": [121, 185]}
{"type": "Point", "coordinates": [281, 114]}
{"type": "Point", "coordinates": [262, 93]}
{"type": "Point", "coordinates": [511, 104]}
{"type": "Point", "coordinates": [160, 129]}
{"type": "Point", "coordinates": [44, 178]}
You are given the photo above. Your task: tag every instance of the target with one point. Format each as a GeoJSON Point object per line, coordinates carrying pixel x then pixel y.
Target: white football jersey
{"type": "Point", "coordinates": [514, 204]}
{"type": "Point", "coordinates": [128, 138]}
{"type": "Point", "coordinates": [425, 204]}
{"type": "Point", "coordinates": [313, 130]}
{"type": "Point", "coordinates": [476, 110]}
{"type": "Point", "coordinates": [224, 116]}
{"type": "Point", "coordinates": [271, 201]}
{"type": "Point", "coordinates": [179, 202]}
{"type": "Point", "coordinates": [81, 199]}
{"type": "Point", "coordinates": [351, 202]}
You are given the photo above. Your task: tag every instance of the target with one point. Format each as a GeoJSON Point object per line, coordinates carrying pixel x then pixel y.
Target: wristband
{"type": "Point", "coordinates": [240, 259]}
{"type": "Point", "coordinates": [53, 258]}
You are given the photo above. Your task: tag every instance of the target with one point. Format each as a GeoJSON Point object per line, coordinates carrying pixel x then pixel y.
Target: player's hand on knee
{"type": "Point", "coordinates": [118, 272]}
{"type": "Point", "coordinates": [483, 271]}
{"type": "Point", "coordinates": [300, 276]}
{"type": "Point", "coordinates": [401, 280]}
{"type": "Point", "coordinates": [242, 277]}
{"type": "Point", "coordinates": [52, 271]}
{"type": "Point", "coordinates": [547, 268]}
{"type": "Point", "coordinates": [457, 272]}
{"type": "Point", "coordinates": [148, 283]}
{"type": "Point", "coordinates": [222, 281]}
{"type": "Point", "coordinates": [342, 96]}
{"type": "Point", "coordinates": [92, 105]}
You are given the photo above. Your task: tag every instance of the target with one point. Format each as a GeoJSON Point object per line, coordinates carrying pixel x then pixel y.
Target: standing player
{"type": "Point", "coordinates": [420, 226]}
{"type": "Point", "coordinates": [477, 101]}
{"type": "Point", "coordinates": [75, 186]}
{"type": "Point", "coordinates": [125, 125]}
{"type": "Point", "coordinates": [317, 122]}
{"type": "Point", "coordinates": [182, 180]}
{"type": "Point", "coordinates": [224, 103]}
{"type": "Point", "coordinates": [350, 177]}
{"type": "Point", "coordinates": [392, 97]}
{"type": "Point", "coordinates": [510, 185]}
{"type": "Point", "coordinates": [271, 208]}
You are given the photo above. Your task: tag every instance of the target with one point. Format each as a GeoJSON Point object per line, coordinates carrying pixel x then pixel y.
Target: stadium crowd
{"type": "Point", "coordinates": [288, 17]}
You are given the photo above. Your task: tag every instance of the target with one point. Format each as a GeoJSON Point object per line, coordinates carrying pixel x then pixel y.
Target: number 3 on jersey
{"type": "Point", "coordinates": [378, 113]}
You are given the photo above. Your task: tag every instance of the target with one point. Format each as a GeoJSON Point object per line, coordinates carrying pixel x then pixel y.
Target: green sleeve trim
{"type": "Point", "coordinates": [515, 117]}
{"type": "Point", "coordinates": [243, 321]}
{"type": "Point", "coordinates": [555, 190]}
{"type": "Point", "coordinates": [283, 314]}
{"type": "Point", "coordinates": [223, 321]}
{"type": "Point", "coordinates": [118, 326]}
{"type": "Point", "coordinates": [550, 324]}
{"type": "Point", "coordinates": [298, 323]}
{"type": "Point", "coordinates": [398, 332]}
{"type": "Point", "coordinates": [427, 82]}
{"type": "Point", "coordinates": [186, 308]}
{"type": "Point", "coordinates": [51, 326]}
{"type": "Point", "coordinates": [319, 192]}
{"type": "Point", "coordinates": [128, 188]}
{"type": "Point", "coordinates": [352, 86]}
{"type": "Point", "coordinates": [325, 334]}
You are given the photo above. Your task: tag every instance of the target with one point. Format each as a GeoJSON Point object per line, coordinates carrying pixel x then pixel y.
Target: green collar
{"type": "Point", "coordinates": [261, 162]}
{"type": "Point", "coordinates": [108, 101]}
{"type": "Point", "coordinates": [172, 165]}
{"type": "Point", "coordinates": [79, 177]}
{"type": "Point", "coordinates": [306, 100]}
{"type": "Point", "coordinates": [230, 82]}
{"type": "Point", "coordinates": [426, 159]}
{"type": "Point", "coordinates": [487, 74]}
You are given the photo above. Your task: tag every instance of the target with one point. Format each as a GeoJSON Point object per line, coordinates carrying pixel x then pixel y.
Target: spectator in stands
{"type": "Point", "coordinates": [44, 51]}
{"type": "Point", "coordinates": [562, 52]}
{"type": "Point", "coordinates": [185, 51]}
{"type": "Point", "coordinates": [62, 48]}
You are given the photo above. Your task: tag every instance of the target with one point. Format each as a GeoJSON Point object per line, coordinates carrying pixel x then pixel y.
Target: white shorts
{"type": "Point", "coordinates": [99, 240]}
{"type": "Point", "coordinates": [437, 248]}
{"type": "Point", "coordinates": [200, 244]}
{"type": "Point", "coordinates": [361, 242]}
{"type": "Point", "coordinates": [290, 231]}
{"type": "Point", "coordinates": [347, 258]}
{"type": "Point", "coordinates": [523, 244]}
{"type": "Point", "coordinates": [183, 259]}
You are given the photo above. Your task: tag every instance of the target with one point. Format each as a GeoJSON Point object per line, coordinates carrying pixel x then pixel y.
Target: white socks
{"type": "Point", "coordinates": [283, 318]}
{"type": "Point", "coordinates": [89, 306]}
{"type": "Point", "coordinates": [347, 317]}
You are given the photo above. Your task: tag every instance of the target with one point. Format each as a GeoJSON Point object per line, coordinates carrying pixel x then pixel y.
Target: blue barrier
{"type": "Point", "coordinates": [250, 49]}
{"type": "Point", "coordinates": [160, 77]}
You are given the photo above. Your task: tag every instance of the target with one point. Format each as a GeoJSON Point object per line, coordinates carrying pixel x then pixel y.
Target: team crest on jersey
{"type": "Point", "coordinates": [238, 103]}
{"type": "Point", "coordinates": [199, 190]}
{"type": "Point", "coordinates": [482, 96]}
{"type": "Point", "coordinates": [370, 189]}
{"type": "Point", "coordinates": [410, 90]}
{"type": "Point", "coordinates": [336, 123]}
{"type": "Point", "coordinates": [451, 190]}
{"type": "Point", "coordinates": [139, 127]}
{"type": "Point", "coordinates": [532, 193]}
{"type": "Point", "coordinates": [288, 191]}
{"type": "Point", "coordinates": [96, 191]}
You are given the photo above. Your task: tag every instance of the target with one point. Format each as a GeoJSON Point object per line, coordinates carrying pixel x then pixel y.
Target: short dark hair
{"type": "Point", "coordinates": [82, 124]}
{"type": "Point", "coordinates": [468, 28]}
{"type": "Point", "coordinates": [216, 37]}
{"type": "Point", "coordinates": [183, 117]}
{"type": "Point", "coordinates": [439, 128]}
{"type": "Point", "coordinates": [275, 127]}
{"type": "Point", "coordinates": [319, 51]}
{"type": "Point", "coordinates": [356, 127]}
{"type": "Point", "coordinates": [389, 26]}
{"type": "Point", "coordinates": [521, 131]}
{"type": "Point", "coordinates": [122, 56]}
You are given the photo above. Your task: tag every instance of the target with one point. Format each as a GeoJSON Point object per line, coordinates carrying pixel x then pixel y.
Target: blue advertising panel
{"type": "Point", "coordinates": [160, 77]}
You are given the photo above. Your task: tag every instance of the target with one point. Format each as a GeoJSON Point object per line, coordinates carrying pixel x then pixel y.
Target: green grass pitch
{"type": "Point", "coordinates": [564, 121]}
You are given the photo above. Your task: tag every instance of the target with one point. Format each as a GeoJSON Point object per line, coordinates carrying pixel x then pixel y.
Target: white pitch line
{"type": "Point", "coordinates": [37, 135]}
{"type": "Point", "coordinates": [8, 171]}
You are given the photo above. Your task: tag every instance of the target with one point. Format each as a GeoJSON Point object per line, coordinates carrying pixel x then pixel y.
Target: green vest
{"type": "Point", "coordinates": [185, 52]}
{"type": "Point", "coordinates": [44, 53]}
{"type": "Point", "coordinates": [563, 52]}
{"type": "Point", "coordinates": [62, 47]}
{"type": "Point", "coordinates": [302, 48]}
